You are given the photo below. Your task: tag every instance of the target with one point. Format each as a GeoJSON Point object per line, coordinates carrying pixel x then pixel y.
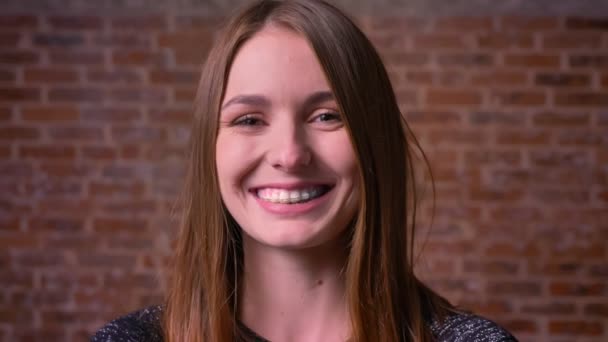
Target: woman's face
{"type": "Point", "coordinates": [287, 171]}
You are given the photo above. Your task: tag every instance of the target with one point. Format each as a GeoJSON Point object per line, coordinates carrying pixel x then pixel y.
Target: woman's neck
{"type": "Point", "coordinates": [294, 295]}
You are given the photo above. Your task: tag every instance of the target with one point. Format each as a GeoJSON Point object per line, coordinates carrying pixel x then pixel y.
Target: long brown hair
{"type": "Point", "coordinates": [386, 300]}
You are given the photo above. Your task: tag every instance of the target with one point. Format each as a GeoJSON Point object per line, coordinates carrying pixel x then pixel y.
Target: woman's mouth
{"type": "Point", "coordinates": [292, 196]}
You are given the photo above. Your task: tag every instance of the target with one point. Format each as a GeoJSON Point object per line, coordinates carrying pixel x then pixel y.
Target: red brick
{"type": "Point", "coordinates": [107, 260]}
{"type": "Point", "coordinates": [406, 58]}
{"type": "Point", "coordinates": [451, 136]}
{"type": "Point", "coordinates": [497, 118]}
{"type": "Point", "coordinates": [553, 197]}
{"type": "Point", "coordinates": [170, 116]}
{"type": "Point", "coordinates": [140, 22]}
{"type": "Point", "coordinates": [36, 259]}
{"type": "Point", "coordinates": [576, 328]}
{"type": "Point", "coordinates": [80, 94]}
{"type": "Point", "coordinates": [562, 80]}
{"type": "Point", "coordinates": [491, 268]}
{"type": "Point", "coordinates": [76, 133]}
{"type": "Point", "coordinates": [523, 137]}
{"type": "Point", "coordinates": [521, 326]}
{"type": "Point", "coordinates": [190, 57]}
{"type": "Point", "coordinates": [58, 40]}
{"type": "Point", "coordinates": [517, 288]}
{"type": "Point", "coordinates": [196, 22]}
{"type": "Point", "coordinates": [496, 195]}
{"type": "Point", "coordinates": [76, 23]}
{"type": "Point", "coordinates": [71, 58]}
{"type": "Point", "coordinates": [19, 57]}
{"type": "Point", "coordinates": [139, 58]}
{"type": "Point", "coordinates": [138, 95]}
{"type": "Point", "coordinates": [111, 114]}
{"type": "Point", "coordinates": [554, 159]}
{"type": "Point", "coordinates": [597, 309]}
{"type": "Point", "coordinates": [572, 41]}
{"type": "Point", "coordinates": [18, 21]}
{"type": "Point", "coordinates": [56, 225]}
{"type": "Point", "coordinates": [183, 94]}
{"type": "Point", "coordinates": [140, 208]}
{"type": "Point", "coordinates": [444, 97]}
{"type": "Point", "coordinates": [8, 76]}
{"type": "Point", "coordinates": [6, 113]}
{"type": "Point", "coordinates": [9, 224]}
{"type": "Point", "coordinates": [588, 61]}
{"type": "Point", "coordinates": [432, 117]}
{"type": "Point", "coordinates": [549, 309]}
{"type": "Point", "coordinates": [439, 41]}
{"type": "Point", "coordinates": [604, 81]}
{"type": "Point", "coordinates": [588, 23]}
{"type": "Point", "coordinates": [582, 99]}
{"type": "Point", "coordinates": [47, 152]}
{"type": "Point", "coordinates": [503, 249]}
{"type": "Point", "coordinates": [129, 40]}
{"type": "Point", "coordinates": [138, 134]}
{"type": "Point", "coordinates": [19, 94]}
{"type": "Point", "coordinates": [99, 152]}
{"type": "Point", "coordinates": [389, 42]}
{"type": "Point", "coordinates": [66, 169]}
{"type": "Point", "coordinates": [561, 119]}
{"type": "Point", "coordinates": [13, 316]}
{"type": "Point", "coordinates": [590, 252]}
{"type": "Point", "coordinates": [497, 78]}
{"type": "Point", "coordinates": [504, 40]}
{"type": "Point", "coordinates": [130, 190]}
{"type": "Point", "coordinates": [129, 152]}
{"type": "Point", "coordinates": [398, 23]}
{"type": "Point", "coordinates": [10, 39]}
{"type": "Point", "coordinates": [516, 214]}
{"type": "Point", "coordinates": [518, 98]}
{"type": "Point", "coordinates": [529, 23]}
{"type": "Point", "coordinates": [580, 137]}
{"type": "Point", "coordinates": [419, 77]}
{"type": "Point", "coordinates": [19, 133]}
{"type": "Point", "coordinates": [465, 60]}
{"type": "Point", "coordinates": [406, 97]}
{"type": "Point", "coordinates": [532, 60]}
{"type": "Point", "coordinates": [173, 77]}
{"type": "Point", "coordinates": [5, 152]}
{"type": "Point", "coordinates": [464, 24]}
{"type": "Point", "coordinates": [42, 113]}
{"type": "Point", "coordinates": [50, 75]}
{"type": "Point", "coordinates": [577, 289]}
{"type": "Point", "coordinates": [115, 76]}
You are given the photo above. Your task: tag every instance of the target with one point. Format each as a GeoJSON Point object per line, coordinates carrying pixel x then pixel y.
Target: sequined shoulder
{"type": "Point", "coordinates": [138, 326]}
{"type": "Point", "coordinates": [465, 327]}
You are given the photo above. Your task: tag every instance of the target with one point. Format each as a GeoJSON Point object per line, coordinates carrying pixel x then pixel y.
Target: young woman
{"type": "Point", "coordinates": [298, 215]}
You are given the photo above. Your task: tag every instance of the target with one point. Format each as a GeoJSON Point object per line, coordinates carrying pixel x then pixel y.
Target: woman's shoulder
{"type": "Point", "coordinates": [465, 327]}
{"type": "Point", "coordinates": [142, 325]}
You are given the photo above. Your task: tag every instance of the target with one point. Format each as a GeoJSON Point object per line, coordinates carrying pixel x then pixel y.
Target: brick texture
{"type": "Point", "coordinates": [512, 112]}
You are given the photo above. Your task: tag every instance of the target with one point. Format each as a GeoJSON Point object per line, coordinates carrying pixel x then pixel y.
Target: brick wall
{"type": "Point", "coordinates": [511, 110]}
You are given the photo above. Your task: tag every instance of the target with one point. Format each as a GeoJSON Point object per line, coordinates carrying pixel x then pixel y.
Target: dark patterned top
{"type": "Point", "coordinates": [144, 325]}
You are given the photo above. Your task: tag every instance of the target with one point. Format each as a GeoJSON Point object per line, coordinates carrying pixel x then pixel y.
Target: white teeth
{"type": "Point", "coordinates": [288, 196]}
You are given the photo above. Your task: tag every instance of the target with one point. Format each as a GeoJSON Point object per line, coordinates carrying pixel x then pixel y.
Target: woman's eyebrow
{"type": "Point", "coordinates": [318, 97]}
{"type": "Point", "coordinates": [262, 101]}
{"type": "Point", "coordinates": [252, 100]}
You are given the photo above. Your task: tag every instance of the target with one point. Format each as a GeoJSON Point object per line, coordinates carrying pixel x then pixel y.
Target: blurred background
{"type": "Point", "coordinates": [509, 100]}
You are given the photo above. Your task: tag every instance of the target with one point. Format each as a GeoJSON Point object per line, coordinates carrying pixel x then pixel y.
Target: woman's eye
{"type": "Point", "coordinates": [247, 120]}
{"type": "Point", "coordinates": [328, 116]}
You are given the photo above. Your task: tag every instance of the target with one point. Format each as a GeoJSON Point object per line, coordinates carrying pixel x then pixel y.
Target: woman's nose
{"type": "Point", "coordinates": [289, 151]}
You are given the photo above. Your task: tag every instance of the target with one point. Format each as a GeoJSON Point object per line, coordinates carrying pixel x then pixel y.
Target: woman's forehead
{"type": "Point", "coordinates": [275, 61]}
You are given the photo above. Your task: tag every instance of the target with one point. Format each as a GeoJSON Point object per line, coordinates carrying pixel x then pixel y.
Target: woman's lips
{"type": "Point", "coordinates": [291, 200]}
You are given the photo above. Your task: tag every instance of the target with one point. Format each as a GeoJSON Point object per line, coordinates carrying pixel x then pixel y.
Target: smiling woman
{"type": "Point", "coordinates": [298, 222]}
